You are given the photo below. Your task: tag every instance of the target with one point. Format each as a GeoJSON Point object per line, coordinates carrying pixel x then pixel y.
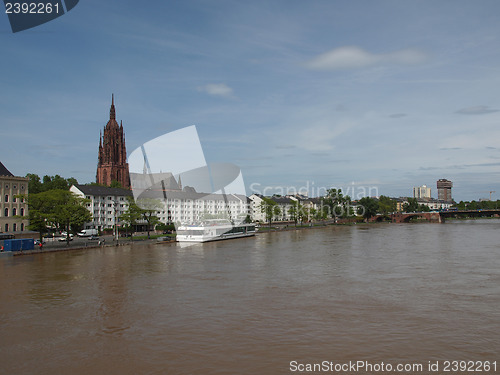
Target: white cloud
{"type": "Point", "coordinates": [351, 57]}
{"type": "Point", "coordinates": [321, 134]}
{"type": "Point", "coordinates": [477, 110]}
{"type": "Point", "coordinates": [217, 89]}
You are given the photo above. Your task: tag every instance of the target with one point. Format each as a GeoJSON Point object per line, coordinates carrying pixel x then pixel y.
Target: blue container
{"type": "Point", "coordinates": [27, 244]}
{"type": "Point", "coordinates": [12, 245]}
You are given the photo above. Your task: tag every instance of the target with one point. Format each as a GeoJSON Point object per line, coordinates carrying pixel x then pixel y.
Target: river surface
{"type": "Point", "coordinates": [392, 293]}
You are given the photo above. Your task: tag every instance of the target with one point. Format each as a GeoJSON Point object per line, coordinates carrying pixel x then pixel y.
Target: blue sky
{"type": "Point", "coordinates": [351, 94]}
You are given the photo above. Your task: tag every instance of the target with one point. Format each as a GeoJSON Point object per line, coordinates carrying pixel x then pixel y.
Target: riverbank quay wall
{"type": "Point", "coordinates": [440, 217]}
{"type": "Point", "coordinates": [405, 217]}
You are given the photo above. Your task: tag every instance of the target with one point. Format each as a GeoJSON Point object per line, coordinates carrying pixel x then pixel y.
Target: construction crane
{"type": "Point", "coordinates": [490, 191]}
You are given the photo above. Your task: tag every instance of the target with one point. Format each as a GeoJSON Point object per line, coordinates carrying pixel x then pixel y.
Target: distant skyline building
{"type": "Point", "coordinates": [444, 190]}
{"type": "Point", "coordinates": [420, 192]}
{"type": "Point", "coordinates": [112, 160]}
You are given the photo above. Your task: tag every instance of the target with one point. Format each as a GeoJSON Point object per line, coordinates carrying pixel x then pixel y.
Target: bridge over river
{"type": "Point", "coordinates": [439, 217]}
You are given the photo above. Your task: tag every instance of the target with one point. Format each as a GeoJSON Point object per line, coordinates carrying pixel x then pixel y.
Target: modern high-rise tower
{"type": "Point", "coordinates": [112, 161]}
{"type": "Point", "coordinates": [444, 190]}
{"type": "Point", "coordinates": [422, 192]}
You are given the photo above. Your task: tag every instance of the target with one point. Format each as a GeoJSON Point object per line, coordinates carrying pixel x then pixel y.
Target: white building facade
{"type": "Point", "coordinates": [179, 207]}
{"type": "Point", "coordinates": [106, 204]}
{"type": "Point", "coordinates": [13, 209]}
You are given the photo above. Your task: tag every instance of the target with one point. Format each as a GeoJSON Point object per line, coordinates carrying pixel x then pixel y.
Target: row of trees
{"type": "Point", "coordinates": [51, 205]}
{"type": "Point", "coordinates": [482, 205]}
{"type": "Point", "coordinates": [336, 205]}
{"type": "Point", "coordinates": [333, 206]}
{"type": "Point", "coordinates": [38, 185]}
{"type": "Point", "coordinates": [146, 213]}
{"type": "Point", "coordinates": [56, 208]}
{"type": "Point", "coordinates": [66, 211]}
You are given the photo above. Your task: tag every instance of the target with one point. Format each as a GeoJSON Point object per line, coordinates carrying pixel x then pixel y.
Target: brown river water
{"type": "Point", "coordinates": [273, 304]}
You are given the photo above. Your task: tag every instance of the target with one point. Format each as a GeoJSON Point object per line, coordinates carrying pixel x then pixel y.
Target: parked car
{"type": "Point", "coordinates": [62, 239]}
{"type": "Point", "coordinates": [93, 238]}
{"type": "Point", "coordinates": [87, 233]}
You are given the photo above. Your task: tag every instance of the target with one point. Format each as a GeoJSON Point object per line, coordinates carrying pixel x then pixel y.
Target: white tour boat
{"type": "Point", "coordinates": [213, 231]}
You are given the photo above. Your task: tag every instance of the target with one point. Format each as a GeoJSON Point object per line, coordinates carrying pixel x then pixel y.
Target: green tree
{"type": "Point", "coordinates": [56, 182]}
{"type": "Point", "coordinates": [116, 184]}
{"type": "Point", "coordinates": [71, 181]}
{"type": "Point", "coordinates": [315, 214]}
{"type": "Point", "coordinates": [70, 211]}
{"type": "Point", "coordinates": [294, 212]}
{"type": "Point", "coordinates": [149, 208]}
{"type": "Point", "coordinates": [39, 208]}
{"type": "Point", "coordinates": [424, 208]}
{"type": "Point", "coordinates": [34, 185]}
{"type": "Point", "coordinates": [338, 204]}
{"type": "Point", "coordinates": [473, 205]}
{"type": "Point", "coordinates": [56, 208]}
{"type": "Point", "coordinates": [386, 205]}
{"type": "Point", "coordinates": [411, 206]}
{"type": "Point", "coordinates": [132, 215]}
{"type": "Point", "coordinates": [369, 207]}
{"type": "Point", "coordinates": [304, 213]}
{"type": "Point", "coordinates": [270, 209]}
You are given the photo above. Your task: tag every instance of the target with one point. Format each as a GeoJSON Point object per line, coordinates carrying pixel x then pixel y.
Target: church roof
{"type": "Point", "coordinates": [97, 190]}
{"type": "Point", "coordinates": [4, 171]}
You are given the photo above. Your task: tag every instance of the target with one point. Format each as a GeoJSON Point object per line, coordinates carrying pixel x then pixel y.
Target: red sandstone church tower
{"type": "Point", "coordinates": [112, 164]}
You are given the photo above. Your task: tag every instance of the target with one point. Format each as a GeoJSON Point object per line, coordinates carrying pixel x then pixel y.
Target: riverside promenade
{"type": "Point", "coordinates": [84, 243]}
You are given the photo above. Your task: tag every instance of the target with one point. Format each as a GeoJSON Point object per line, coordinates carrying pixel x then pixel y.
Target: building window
{"type": "Point", "coordinates": [14, 212]}
{"type": "Point", "coordinates": [6, 186]}
{"type": "Point", "coordinates": [14, 186]}
{"type": "Point", "coordinates": [6, 227]}
{"type": "Point", "coordinates": [6, 198]}
{"type": "Point", "coordinates": [6, 212]}
{"type": "Point", "coordinates": [22, 212]}
{"type": "Point", "coordinates": [14, 227]}
{"type": "Point", "coordinates": [22, 188]}
{"type": "Point", "coordinates": [22, 227]}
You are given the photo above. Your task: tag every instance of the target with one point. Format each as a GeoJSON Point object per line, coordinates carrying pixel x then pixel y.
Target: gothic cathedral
{"type": "Point", "coordinates": [112, 164]}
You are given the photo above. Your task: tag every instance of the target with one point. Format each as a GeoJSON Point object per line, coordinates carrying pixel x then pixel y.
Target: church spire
{"type": "Point", "coordinates": [112, 161]}
{"type": "Point", "coordinates": [112, 114]}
